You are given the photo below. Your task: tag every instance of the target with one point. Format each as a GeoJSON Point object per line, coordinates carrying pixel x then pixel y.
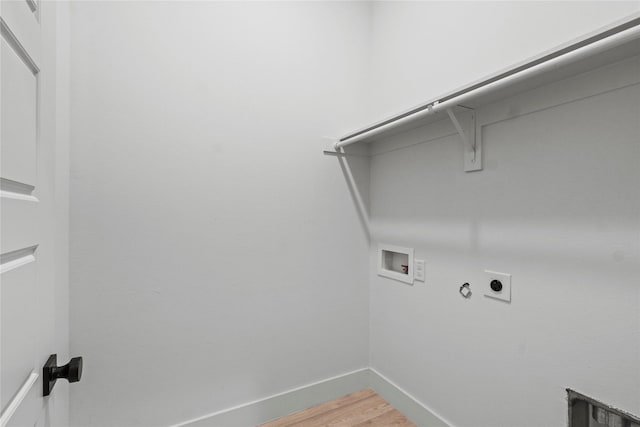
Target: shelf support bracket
{"type": "Point", "coordinates": [471, 140]}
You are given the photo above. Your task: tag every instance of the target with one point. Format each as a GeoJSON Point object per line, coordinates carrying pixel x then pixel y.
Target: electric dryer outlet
{"type": "Point", "coordinates": [497, 285]}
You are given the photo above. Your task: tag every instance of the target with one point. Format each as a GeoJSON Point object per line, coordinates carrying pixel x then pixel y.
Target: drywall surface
{"type": "Point", "coordinates": [422, 50]}
{"type": "Point", "coordinates": [557, 206]}
{"type": "Point", "coordinates": [217, 257]}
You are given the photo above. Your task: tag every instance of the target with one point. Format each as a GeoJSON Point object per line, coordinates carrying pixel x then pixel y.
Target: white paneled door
{"type": "Point", "coordinates": [28, 226]}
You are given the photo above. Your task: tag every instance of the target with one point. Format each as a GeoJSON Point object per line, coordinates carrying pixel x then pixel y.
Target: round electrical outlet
{"type": "Point", "coordinates": [496, 285]}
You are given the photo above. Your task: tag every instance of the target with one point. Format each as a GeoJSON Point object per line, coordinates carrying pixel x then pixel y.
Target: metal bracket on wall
{"type": "Point", "coordinates": [471, 139]}
{"type": "Point", "coordinates": [329, 148]}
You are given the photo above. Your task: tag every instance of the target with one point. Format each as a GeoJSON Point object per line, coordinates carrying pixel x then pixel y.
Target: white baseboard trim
{"type": "Point", "coordinates": [287, 402]}
{"type": "Point", "coordinates": [419, 413]}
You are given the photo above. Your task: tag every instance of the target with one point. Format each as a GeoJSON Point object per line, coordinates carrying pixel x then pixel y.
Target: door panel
{"type": "Point", "coordinates": [31, 404]}
{"type": "Point", "coordinates": [27, 162]}
{"type": "Point", "coordinates": [22, 25]}
{"type": "Point", "coordinates": [18, 224]}
{"type": "Point", "coordinates": [19, 88]}
{"type": "Point", "coordinates": [19, 350]}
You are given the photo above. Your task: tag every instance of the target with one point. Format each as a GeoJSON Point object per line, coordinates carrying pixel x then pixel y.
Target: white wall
{"type": "Point", "coordinates": [422, 50]}
{"type": "Point", "coordinates": [217, 257]}
{"type": "Point", "coordinates": [556, 205]}
{"type": "Point", "coordinates": [216, 254]}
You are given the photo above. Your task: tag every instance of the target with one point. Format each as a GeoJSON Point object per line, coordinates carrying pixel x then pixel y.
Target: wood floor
{"type": "Point", "coordinates": [362, 408]}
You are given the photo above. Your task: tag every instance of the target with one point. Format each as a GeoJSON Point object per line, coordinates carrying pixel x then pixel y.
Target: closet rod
{"type": "Point", "coordinates": [600, 42]}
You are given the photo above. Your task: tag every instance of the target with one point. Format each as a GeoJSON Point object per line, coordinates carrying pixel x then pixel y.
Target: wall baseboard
{"type": "Point", "coordinates": [419, 413]}
{"type": "Point", "coordinates": [281, 404]}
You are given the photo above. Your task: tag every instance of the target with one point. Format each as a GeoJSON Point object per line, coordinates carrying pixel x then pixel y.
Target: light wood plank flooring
{"type": "Point", "coordinates": [359, 409]}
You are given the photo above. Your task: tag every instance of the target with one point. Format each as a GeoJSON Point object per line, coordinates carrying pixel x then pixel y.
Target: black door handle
{"type": "Point", "coordinates": [51, 372]}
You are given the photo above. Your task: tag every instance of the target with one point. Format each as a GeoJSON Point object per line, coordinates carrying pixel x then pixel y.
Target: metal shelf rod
{"type": "Point", "coordinates": [601, 42]}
